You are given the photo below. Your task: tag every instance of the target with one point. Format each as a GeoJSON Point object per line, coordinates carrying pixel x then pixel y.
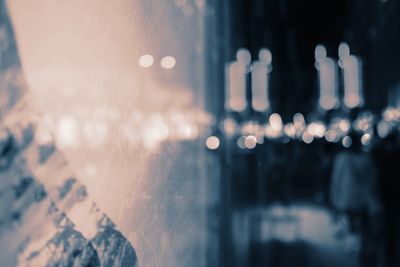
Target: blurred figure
{"type": "Point", "coordinates": [354, 196]}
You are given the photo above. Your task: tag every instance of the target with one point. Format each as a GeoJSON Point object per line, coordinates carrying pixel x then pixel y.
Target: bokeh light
{"type": "Point", "coordinates": [212, 142]}
{"type": "Point", "coordinates": [168, 62]}
{"type": "Point", "coordinates": [146, 61]}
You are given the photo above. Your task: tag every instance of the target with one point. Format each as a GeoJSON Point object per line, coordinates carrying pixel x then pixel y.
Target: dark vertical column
{"type": "Point", "coordinates": [217, 55]}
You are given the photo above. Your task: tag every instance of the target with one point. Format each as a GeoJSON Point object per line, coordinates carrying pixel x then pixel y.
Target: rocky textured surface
{"type": "Point", "coordinates": [46, 215]}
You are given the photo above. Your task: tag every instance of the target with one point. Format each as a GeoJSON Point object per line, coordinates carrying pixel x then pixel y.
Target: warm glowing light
{"type": "Point", "coordinates": [253, 128]}
{"type": "Point", "coordinates": [331, 136]}
{"type": "Point", "coordinates": [168, 62]}
{"type": "Point", "coordinates": [352, 79]}
{"type": "Point", "coordinates": [229, 126]}
{"type": "Point", "coordinates": [327, 76]}
{"type": "Point", "coordinates": [146, 61]}
{"type": "Point", "coordinates": [290, 130]}
{"type": "Point", "coordinates": [363, 122]}
{"type": "Point", "coordinates": [212, 142]}
{"type": "Point", "coordinates": [366, 139]}
{"type": "Point", "coordinates": [299, 123]}
{"type": "Point", "coordinates": [344, 125]}
{"type": "Point", "coordinates": [361, 125]}
{"type": "Point", "coordinates": [187, 131]}
{"type": "Point", "coordinates": [391, 114]}
{"type": "Point", "coordinates": [316, 129]}
{"type": "Point", "coordinates": [235, 90]}
{"type": "Point", "coordinates": [307, 137]}
{"type": "Point", "coordinates": [275, 121]}
{"type": "Point", "coordinates": [250, 128]}
{"type": "Point", "coordinates": [67, 132]}
{"type": "Point", "coordinates": [260, 81]}
{"type": "Point", "coordinates": [250, 142]}
{"type": "Point", "coordinates": [152, 129]}
{"type": "Point", "coordinates": [346, 141]}
{"type": "Point", "coordinates": [320, 130]}
{"type": "Point", "coordinates": [155, 130]}
{"type": "Point", "coordinates": [271, 133]}
{"type": "Point", "coordinates": [298, 119]}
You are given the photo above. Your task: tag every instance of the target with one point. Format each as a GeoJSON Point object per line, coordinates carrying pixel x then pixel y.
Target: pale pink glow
{"type": "Point", "coordinates": [260, 81]}
{"type": "Point", "coordinates": [250, 127]}
{"type": "Point", "coordinates": [250, 142]}
{"type": "Point", "coordinates": [212, 142]}
{"type": "Point", "coordinates": [366, 139]}
{"type": "Point", "coordinates": [328, 84]}
{"type": "Point", "coordinates": [344, 125]}
{"type": "Point", "coordinates": [316, 129]}
{"type": "Point", "coordinates": [275, 121]}
{"type": "Point", "coordinates": [352, 77]}
{"type": "Point", "coordinates": [146, 61]}
{"type": "Point", "coordinates": [290, 130]}
{"type": "Point", "coordinates": [229, 126]}
{"type": "Point", "coordinates": [331, 136]}
{"type": "Point", "coordinates": [114, 112]}
{"type": "Point", "coordinates": [271, 132]}
{"type": "Point", "coordinates": [307, 137]}
{"type": "Point", "coordinates": [67, 132]}
{"type": "Point", "coordinates": [235, 99]}
{"type": "Point", "coordinates": [168, 62]}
